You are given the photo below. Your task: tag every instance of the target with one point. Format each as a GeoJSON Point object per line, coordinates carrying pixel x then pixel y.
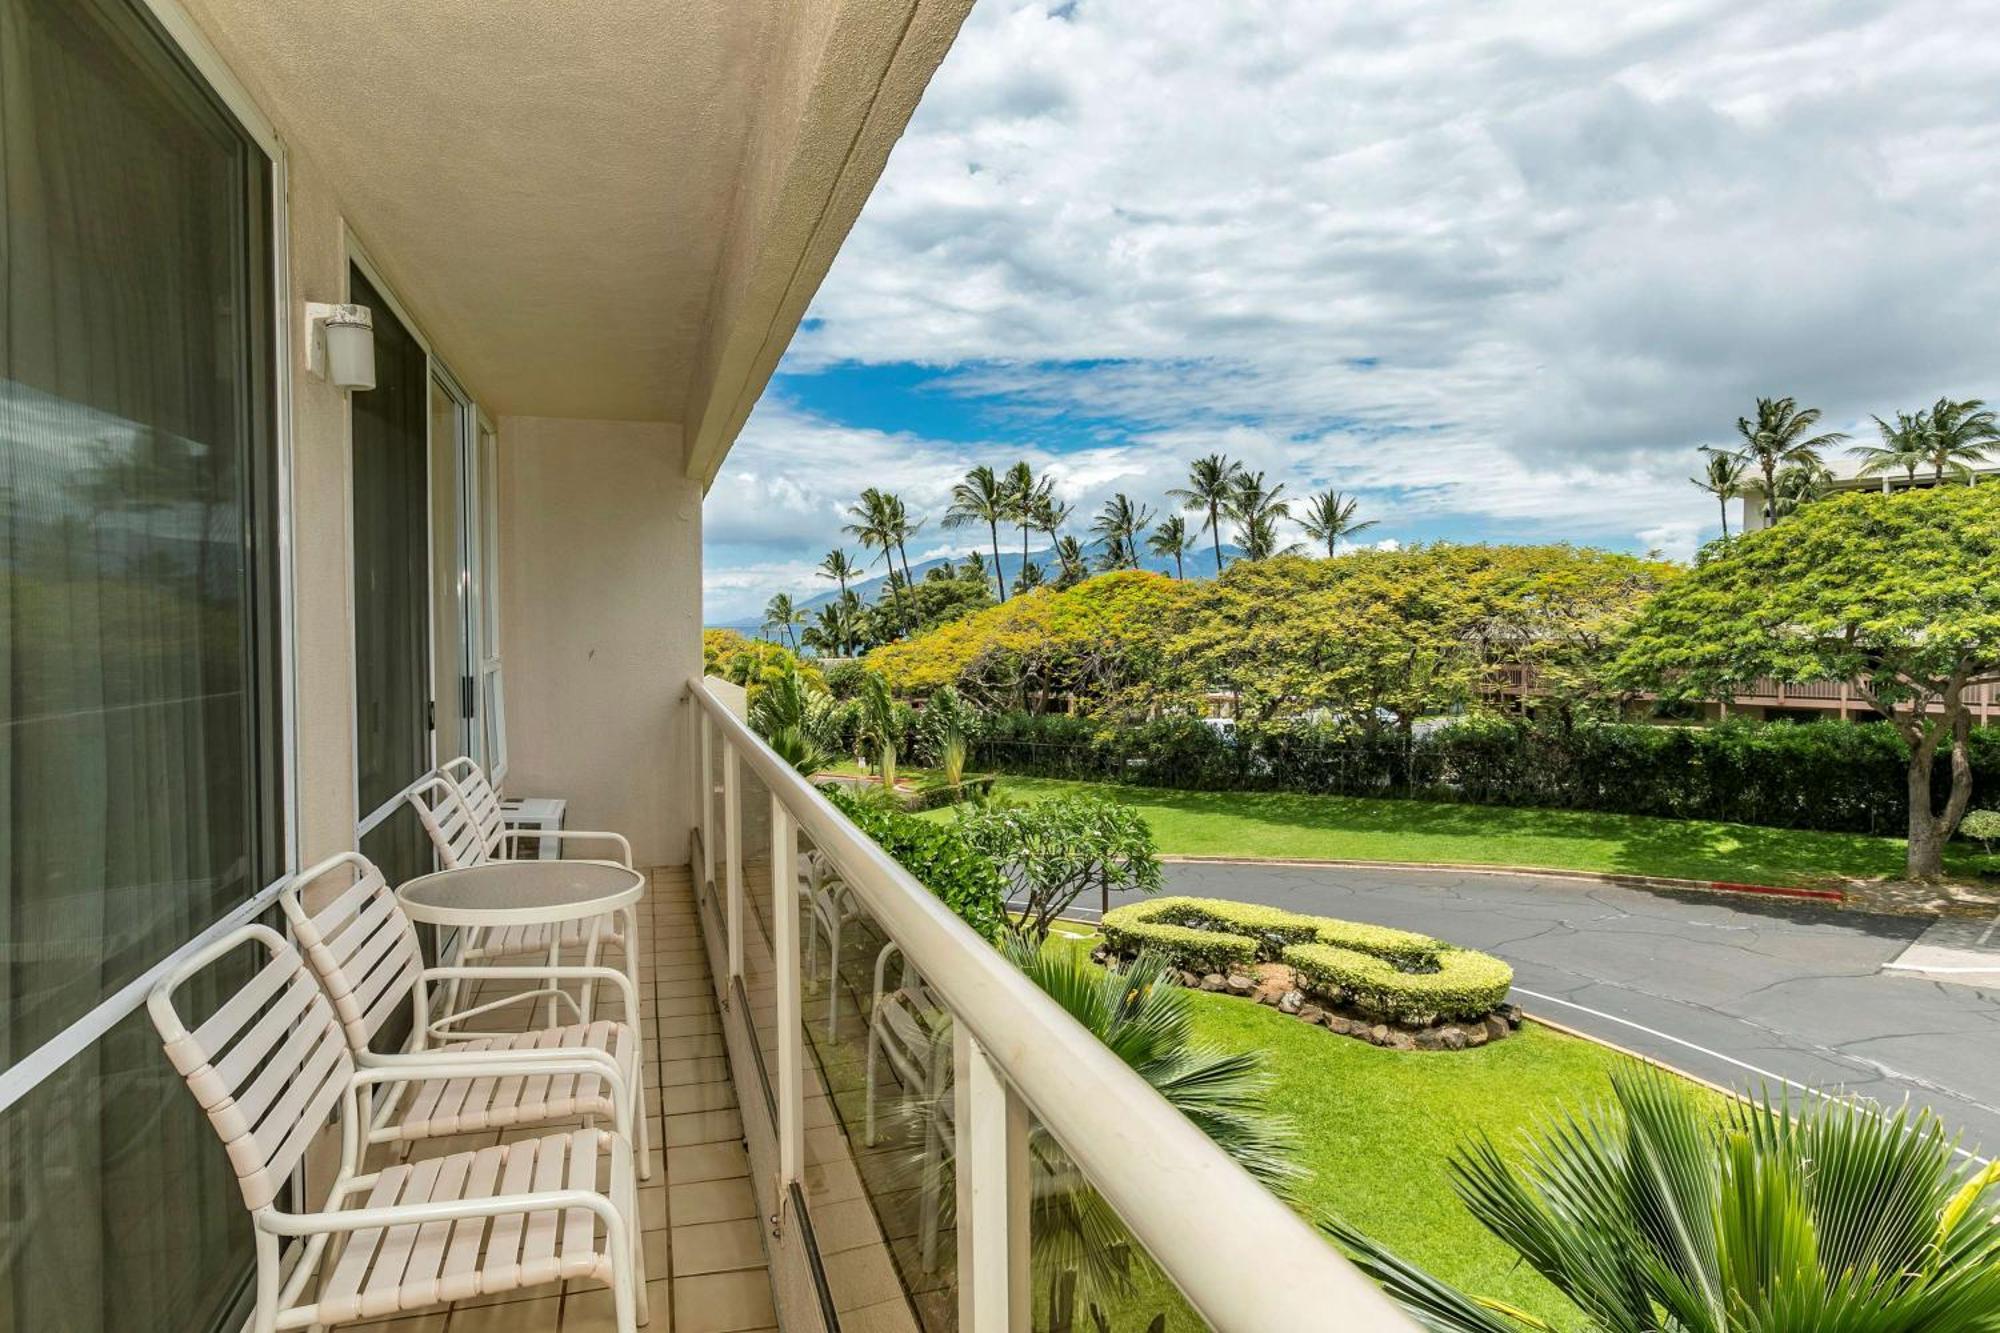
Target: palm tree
{"type": "Point", "coordinates": [788, 715]}
{"type": "Point", "coordinates": [1069, 554]}
{"type": "Point", "coordinates": [974, 568]}
{"type": "Point", "coordinates": [1257, 511]}
{"type": "Point", "coordinates": [1959, 435]}
{"type": "Point", "coordinates": [1330, 518]}
{"type": "Point", "coordinates": [1025, 499]}
{"type": "Point", "coordinates": [901, 529]}
{"type": "Point", "coordinates": [879, 727]}
{"type": "Point", "coordinates": [1120, 523]}
{"type": "Point", "coordinates": [1030, 579]}
{"type": "Point", "coordinates": [839, 567]}
{"type": "Point", "coordinates": [1722, 478]}
{"type": "Point", "coordinates": [1779, 438]}
{"type": "Point", "coordinates": [1172, 538]}
{"type": "Point", "coordinates": [1798, 486]}
{"type": "Point", "coordinates": [835, 629]}
{"type": "Point", "coordinates": [1657, 1214]}
{"type": "Point", "coordinates": [1147, 1021]}
{"type": "Point", "coordinates": [1903, 448]}
{"type": "Point", "coordinates": [1211, 482]}
{"type": "Point", "coordinates": [873, 522]}
{"type": "Point", "coordinates": [982, 498]}
{"type": "Point", "coordinates": [780, 612]}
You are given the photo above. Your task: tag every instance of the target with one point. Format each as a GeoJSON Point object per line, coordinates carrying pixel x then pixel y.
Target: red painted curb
{"type": "Point", "coordinates": [1779, 891]}
{"type": "Point", "coordinates": [1538, 872]}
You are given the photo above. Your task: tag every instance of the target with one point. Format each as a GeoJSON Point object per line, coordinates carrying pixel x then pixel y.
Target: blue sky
{"type": "Point", "coordinates": [1496, 268]}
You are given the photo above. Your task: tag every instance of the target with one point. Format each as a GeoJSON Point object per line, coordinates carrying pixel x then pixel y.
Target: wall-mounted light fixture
{"type": "Point", "coordinates": [340, 342]}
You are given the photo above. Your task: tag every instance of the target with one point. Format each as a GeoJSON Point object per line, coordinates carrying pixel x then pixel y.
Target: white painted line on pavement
{"type": "Point", "coordinates": [1793, 1084]}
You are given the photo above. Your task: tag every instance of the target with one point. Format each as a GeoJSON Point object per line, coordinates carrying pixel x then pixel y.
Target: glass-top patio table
{"type": "Point", "coordinates": [533, 907]}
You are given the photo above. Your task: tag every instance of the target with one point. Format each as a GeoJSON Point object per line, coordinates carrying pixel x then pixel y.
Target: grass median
{"type": "Point", "coordinates": [1289, 824]}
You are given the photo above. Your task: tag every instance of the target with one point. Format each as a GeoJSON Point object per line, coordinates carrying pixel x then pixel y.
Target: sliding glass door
{"type": "Point", "coordinates": [392, 590]}
{"type": "Point", "coordinates": [141, 789]}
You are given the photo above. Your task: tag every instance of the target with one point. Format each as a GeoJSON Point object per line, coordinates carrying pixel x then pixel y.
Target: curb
{"type": "Point", "coordinates": [1536, 872]}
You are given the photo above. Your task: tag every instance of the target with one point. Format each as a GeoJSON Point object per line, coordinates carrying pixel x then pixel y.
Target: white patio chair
{"type": "Point", "coordinates": [909, 1031]}
{"type": "Point", "coordinates": [460, 813]}
{"type": "Point", "coordinates": [363, 949]}
{"type": "Point", "coordinates": [272, 1070]}
{"type": "Point", "coordinates": [830, 904]}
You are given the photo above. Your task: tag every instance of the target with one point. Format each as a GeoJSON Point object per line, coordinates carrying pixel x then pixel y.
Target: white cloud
{"type": "Point", "coordinates": [1506, 261]}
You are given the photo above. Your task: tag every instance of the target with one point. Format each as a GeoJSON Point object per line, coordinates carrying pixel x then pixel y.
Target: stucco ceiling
{"type": "Point", "coordinates": [547, 185]}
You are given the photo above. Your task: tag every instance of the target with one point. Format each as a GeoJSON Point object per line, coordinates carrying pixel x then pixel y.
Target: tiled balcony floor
{"type": "Point", "coordinates": [704, 1245]}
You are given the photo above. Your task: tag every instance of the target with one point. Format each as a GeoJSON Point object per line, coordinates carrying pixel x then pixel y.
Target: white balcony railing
{"type": "Point", "coordinates": [1242, 1258]}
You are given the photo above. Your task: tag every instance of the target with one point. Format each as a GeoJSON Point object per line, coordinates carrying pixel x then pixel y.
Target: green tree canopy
{"type": "Point", "coordinates": [1897, 594]}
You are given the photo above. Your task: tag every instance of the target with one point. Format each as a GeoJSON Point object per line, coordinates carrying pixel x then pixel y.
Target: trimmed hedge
{"type": "Point", "coordinates": [1466, 984]}
{"type": "Point", "coordinates": [1398, 974]}
{"type": "Point", "coordinates": [940, 857]}
{"type": "Point", "coordinates": [1842, 777]}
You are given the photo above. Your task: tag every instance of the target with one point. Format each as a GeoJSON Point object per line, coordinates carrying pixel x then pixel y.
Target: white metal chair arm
{"type": "Point", "coordinates": [425, 1071]}
{"type": "Point", "coordinates": [514, 835]}
{"type": "Point", "coordinates": [460, 1061]}
{"type": "Point", "coordinates": [448, 1210]}
{"type": "Point", "coordinates": [544, 972]}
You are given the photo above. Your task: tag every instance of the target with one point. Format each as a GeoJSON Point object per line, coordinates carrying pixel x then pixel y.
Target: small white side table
{"type": "Point", "coordinates": [537, 812]}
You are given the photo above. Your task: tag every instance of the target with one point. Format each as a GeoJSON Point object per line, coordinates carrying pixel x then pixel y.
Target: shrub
{"type": "Point", "coordinates": [1842, 777]}
{"type": "Point", "coordinates": [1054, 852]}
{"type": "Point", "coordinates": [941, 858]}
{"type": "Point", "coordinates": [843, 679]}
{"type": "Point", "coordinates": [1982, 826]}
{"type": "Point", "coordinates": [1398, 974]}
{"type": "Point", "coordinates": [1466, 984]}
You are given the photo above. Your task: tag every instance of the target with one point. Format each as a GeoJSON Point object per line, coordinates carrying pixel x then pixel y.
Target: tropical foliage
{"type": "Point", "coordinates": [1654, 1214]}
{"type": "Point", "coordinates": [1899, 595]}
{"type": "Point", "coordinates": [1054, 852]}
{"type": "Point", "coordinates": [1087, 642]}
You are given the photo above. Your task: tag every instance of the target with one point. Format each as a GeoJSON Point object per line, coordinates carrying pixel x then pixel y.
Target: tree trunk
{"type": "Point", "coordinates": [998, 577]}
{"type": "Point", "coordinates": [1215, 535]}
{"type": "Point", "coordinates": [1926, 831]}
{"type": "Point", "coordinates": [1722, 501]}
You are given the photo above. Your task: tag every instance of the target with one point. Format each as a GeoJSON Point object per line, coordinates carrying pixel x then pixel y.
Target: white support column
{"type": "Point", "coordinates": [995, 1282]}
{"type": "Point", "coordinates": [791, 1022]}
{"type": "Point", "coordinates": [732, 851]}
{"type": "Point", "coordinates": [706, 788]}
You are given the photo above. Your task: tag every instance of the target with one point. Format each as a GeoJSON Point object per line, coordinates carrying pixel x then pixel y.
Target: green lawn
{"type": "Point", "coordinates": [1285, 824]}
{"type": "Point", "coordinates": [1376, 1128]}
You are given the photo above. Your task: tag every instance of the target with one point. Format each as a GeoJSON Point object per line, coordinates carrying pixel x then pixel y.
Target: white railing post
{"type": "Point", "coordinates": [732, 851]}
{"type": "Point", "coordinates": [707, 789]}
{"type": "Point", "coordinates": [791, 1022]}
{"type": "Point", "coordinates": [991, 1127]}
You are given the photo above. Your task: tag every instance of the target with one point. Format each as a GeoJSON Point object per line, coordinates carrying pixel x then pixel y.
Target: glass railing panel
{"type": "Point", "coordinates": [1089, 1274]}
{"type": "Point", "coordinates": [879, 1146]}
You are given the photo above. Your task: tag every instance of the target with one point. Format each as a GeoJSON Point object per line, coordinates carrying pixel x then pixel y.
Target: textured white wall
{"type": "Point", "coordinates": [600, 558]}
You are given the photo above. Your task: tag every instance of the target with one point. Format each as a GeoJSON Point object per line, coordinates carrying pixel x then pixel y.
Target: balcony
{"type": "Point", "coordinates": [993, 1114]}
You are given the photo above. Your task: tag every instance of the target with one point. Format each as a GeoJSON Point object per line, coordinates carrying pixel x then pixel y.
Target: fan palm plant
{"type": "Point", "coordinates": [1119, 523]}
{"type": "Point", "coordinates": [1903, 448]}
{"type": "Point", "coordinates": [1656, 1214]}
{"type": "Point", "coordinates": [1171, 539]}
{"type": "Point", "coordinates": [1211, 483]}
{"type": "Point", "coordinates": [1781, 437]}
{"type": "Point", "coordinates": [1798, 486]}
{"type": "Point", "coordinates": [982, 498]}
{"type": "Point", "coordinates": [1722, 478]}
{"type": "Point", "coordinates": [1960, 434]}
{"type": "Point", "coordinates": [1330, 519]}
{"type": "Point", "coordinates": [1147, 1022]}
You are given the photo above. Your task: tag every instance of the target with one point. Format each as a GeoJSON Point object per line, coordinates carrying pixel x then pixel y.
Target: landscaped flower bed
{"type": "Point", "coordinates": [1390, 987]}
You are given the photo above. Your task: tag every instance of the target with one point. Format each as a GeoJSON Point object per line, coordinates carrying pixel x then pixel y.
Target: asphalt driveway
{"type": "Point", "coordinates": [1738, 990]}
